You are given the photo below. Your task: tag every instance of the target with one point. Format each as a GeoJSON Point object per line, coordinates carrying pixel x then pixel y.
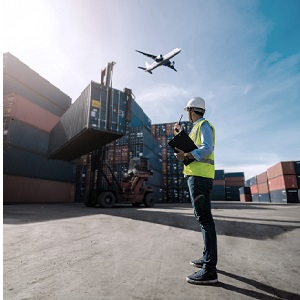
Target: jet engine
{"type": "Point", "coordinates": [159, 57]}
{"type": "Point", "coordinates": [172, 63]}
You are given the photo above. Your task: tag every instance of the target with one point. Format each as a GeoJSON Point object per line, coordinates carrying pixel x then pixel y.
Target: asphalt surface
{"type": "Point", "coordinates": [69, 251]}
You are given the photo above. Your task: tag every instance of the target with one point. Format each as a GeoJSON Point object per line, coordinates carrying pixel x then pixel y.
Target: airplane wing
{"type": "Point", "coordinates": [149, 55]}
{"type": "Point", "coordinates": [170, 64]}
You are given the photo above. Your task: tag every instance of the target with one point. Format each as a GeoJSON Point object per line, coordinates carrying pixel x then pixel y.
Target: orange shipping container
{"type": "Point", "coordinates": [18, 189]}
{"type": "Point", "coordinates": [254, 189]}
{"type": "Point", "coordinates": [263, 188]}
{"type": "Point", "coordinates": [282, 168]}
{"type": "Point", "coordinates": [261, 178]}
{"type": "Point", "coordinates": [245, 198]}
{"type": "Point", "coordinates": [15, 106]}
{"type": "Point", "coordinates": [283, 182]}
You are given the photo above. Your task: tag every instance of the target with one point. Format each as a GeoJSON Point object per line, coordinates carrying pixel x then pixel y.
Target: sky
{"type": "Point", "coordinates": [241, 56]}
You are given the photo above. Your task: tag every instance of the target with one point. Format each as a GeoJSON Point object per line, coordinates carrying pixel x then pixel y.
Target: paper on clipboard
{"type": "Point", "coordinates": [183, 142]}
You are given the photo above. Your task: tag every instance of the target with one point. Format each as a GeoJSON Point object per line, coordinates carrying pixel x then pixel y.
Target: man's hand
{"type": "Point", "coordinates": [179, 155]}
{"type": "Point", "coordinates": [177, 128]}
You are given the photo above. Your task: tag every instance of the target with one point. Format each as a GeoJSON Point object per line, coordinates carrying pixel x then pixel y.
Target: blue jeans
{"type": "Point", "coordinates": [200, 188]}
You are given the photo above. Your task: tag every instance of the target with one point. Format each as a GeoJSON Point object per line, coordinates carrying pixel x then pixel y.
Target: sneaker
{"type": "Point", "coordinates": [203, 276]}
{"type": "Point", "coordinates": [197, 262]}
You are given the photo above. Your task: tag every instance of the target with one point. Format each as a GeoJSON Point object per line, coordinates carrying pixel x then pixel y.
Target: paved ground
{"type": "Point", "coordinates": [69, 251]}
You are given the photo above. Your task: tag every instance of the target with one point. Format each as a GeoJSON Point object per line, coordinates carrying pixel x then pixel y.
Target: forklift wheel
{"type": "Point", "coordinates": [149, 200]}
{"type": "Point", "coordinates": [106, 199]}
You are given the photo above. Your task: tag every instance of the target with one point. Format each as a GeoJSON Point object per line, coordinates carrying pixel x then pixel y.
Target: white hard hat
{"type": "Point", "coordinates": [196, 102]}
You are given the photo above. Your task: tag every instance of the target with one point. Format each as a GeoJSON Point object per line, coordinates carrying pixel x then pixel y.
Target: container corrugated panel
{"type": "Point", "coordinates": [283, 182]}
{"type": "Point", "coordinates": [281, 168]}
{"type": "Point", "coordinates": [219, 175]}
{"type": "Point", "coordinates": [234, 175]}
{"type": "Point", "coordinates": [253, 181]}
{"type": "Point", "coordinates": [261, 178]}
{"type": "Point", "coordinates": [89, 123]}
{"type": "Point", "coordinates": [245, 198]}
{"type": "Point", "coordinates": [255, 197]}
{"type": "Point", "coordinates": [26, 137]}
{"type": "Point", "coordinates": [244, 190]}
{"type": "Point", "coordinates": [254, 189]}
{"type": "Point", "coordinates": [11, 85]}
{"type": "Point", "coordinates": [16, 106]}
{"type": "Point", "coordinates": [18, 189]}
{"type": "Point", "coordinates": [238, 183]}
{"type": "Point", "coordinates": [264, 197]}
{"type": "Point", "coordinates": [297, 167]}
{"type": "Point", "coordinates": [28, 164]}
{"type": "Point", "coordinates": [139, 118]}
{"type": "Point", "coordinates": [20, 71]}
{"type": "Point", "coordinates": [263, 188]}
{"type": "Point", "coordinates": [247, 183]}
{"type": "Point", "coordinates": [284, 196]}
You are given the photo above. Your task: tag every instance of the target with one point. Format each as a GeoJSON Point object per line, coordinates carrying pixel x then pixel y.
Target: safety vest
{"type": "Point", "coordinates": [205, 167]}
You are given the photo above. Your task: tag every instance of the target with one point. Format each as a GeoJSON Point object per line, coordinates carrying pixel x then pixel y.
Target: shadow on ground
{"type": "Point", "coordinates": [174, 215]}
{"type": "Point", "coordinates": [278, 293]}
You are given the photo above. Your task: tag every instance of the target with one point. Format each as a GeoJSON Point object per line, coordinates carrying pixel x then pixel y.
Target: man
{"type": "Point", "coordinates": [200, 174]}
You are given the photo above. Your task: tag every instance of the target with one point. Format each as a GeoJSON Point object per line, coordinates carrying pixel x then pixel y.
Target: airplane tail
{"type": "Point", "coordinates": [145, 69]}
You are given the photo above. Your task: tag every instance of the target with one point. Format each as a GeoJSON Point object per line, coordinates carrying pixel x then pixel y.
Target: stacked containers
{"type": "Point", "coordinates": [218, 190]}
{"type": "Point", "coordinates": [174, 184]}
{"type": "Point", "coordinates": [233, 182]}
{"type": "Point", "coordinates": [245, 194]}
{"type": "Point", "coordinates": [32, 106]}
{"type": "Point", "coordinates": [254, 189]}
{"type": "Point", "coordinates": [263, 187]}
{"type": "Point", "coordinates": [96, 118]}
{"type": "Point", "coordinates": [283, 183]}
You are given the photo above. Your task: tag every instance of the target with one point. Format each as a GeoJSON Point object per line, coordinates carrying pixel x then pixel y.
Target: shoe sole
{"type": "Point", "coordinates": [201, 282]}
{"type": "Point", "coordinates": [194, 265]}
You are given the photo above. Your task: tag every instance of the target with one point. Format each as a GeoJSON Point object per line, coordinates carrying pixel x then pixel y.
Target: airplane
{"type": "Point", "coordinates": [160, 60]}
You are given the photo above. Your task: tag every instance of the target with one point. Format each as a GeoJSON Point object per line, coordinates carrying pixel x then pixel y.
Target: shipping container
{"type": "Point", "coordinates": [139, 118]}
{"type": "Point", "coordinates": [245, 194]}
{"type": "Point", "coordinates": [219, 175]}
{"type": "Point", "coordinates": [20, 162]}
{"type": "Point", "coordinates": [281, 168]}
{"type": "Point", "coordinates": [297, 167]}
{"type": "Point", "coordinates": [263, 188]}
{"type": "Point", "coordinates": [284, 196]}
{"type": "Point", "coordinates": [22, 73]}
{"type": "Point", "coordinates": [96, 118]}
{"type": "Point", "coordinates": [261, 178]}
{"type": "Point", "coordinates": [244, 190]}
{"type": "Point", "coordinates": [11, 85]}
{"type": "Point", "coordinates": [25, 136]}
{"type": "Point", "coordinates": [245, 198]}
{"type": "Point", "coordinates": [17, 189]}
{"type": "Point", "coordinates": [253, 180]}
{"type": "Point", "coordinates": [247, 183]}
{"type": "Point", "coordinates": [255, 197]}
{"type": "Point", "coordinates": [264, 198]}
{"type": "Point", "coordinates": [283, 182]}
{"type": "Point", "coordinates": [17, 107]}
{"type": "Point", "coordinates": [254, 189]}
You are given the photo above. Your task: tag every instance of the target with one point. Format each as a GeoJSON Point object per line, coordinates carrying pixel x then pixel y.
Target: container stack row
{"type": "Point", "coordinates": [32, 106]}
{"type": "Point", "coordinates": [278, 184]}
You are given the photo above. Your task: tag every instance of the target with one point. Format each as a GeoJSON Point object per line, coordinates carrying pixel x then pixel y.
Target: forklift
{"type": "Point", "coordinates": [132, 189]}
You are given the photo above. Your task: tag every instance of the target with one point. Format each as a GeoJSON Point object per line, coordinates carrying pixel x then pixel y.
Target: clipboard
{"type": "Point", "coordinates": [183, 142]}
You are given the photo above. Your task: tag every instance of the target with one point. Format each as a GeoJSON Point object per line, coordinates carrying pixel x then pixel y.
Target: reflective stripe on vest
{"type": "Point", "coordinates": [205, 167]}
